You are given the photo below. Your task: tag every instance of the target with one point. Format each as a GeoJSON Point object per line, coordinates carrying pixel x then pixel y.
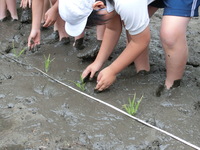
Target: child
{"type": "Point", "coordinates": [51, 17]}
{"type": "Point", "coordinates": [9, 5]}
{"type": "Point", "coordinates": [176, 16]}
{"type": "Point", "coordinates": [132, 13]}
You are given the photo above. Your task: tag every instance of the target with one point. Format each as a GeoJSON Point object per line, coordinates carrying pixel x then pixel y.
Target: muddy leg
{"type": "Point", "coordinates": [173, 37]}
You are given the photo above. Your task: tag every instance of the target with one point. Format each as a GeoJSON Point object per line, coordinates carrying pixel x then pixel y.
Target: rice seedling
{"type": "Point", "coordinates": [80, 84]}
{"type": "Point", "coordinates": [17, 54]}
{"type": "Point", "coordinates": [21, 52]}
{"type": "Point", "coordinates": [47, 62]}
{"type": "Point", "coordinates": [133, 105]}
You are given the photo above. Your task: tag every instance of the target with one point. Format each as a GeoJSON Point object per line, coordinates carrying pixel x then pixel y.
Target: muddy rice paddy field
{"type": "Point", "coordinates": [38, 113]}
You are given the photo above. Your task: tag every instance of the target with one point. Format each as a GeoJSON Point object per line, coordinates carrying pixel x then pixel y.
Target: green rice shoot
{"type": "Point", "coordinates": [133, 105]}
{"type": "Point", "coordinates": [14, 51]}
{"type": "Point", "coordinates": [47, 62]}
{"type": "Point", "coordinates": [80, 84]}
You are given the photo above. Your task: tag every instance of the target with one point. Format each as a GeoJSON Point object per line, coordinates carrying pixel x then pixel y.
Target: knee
{"type": "Point", "coordinates": [169, 38]}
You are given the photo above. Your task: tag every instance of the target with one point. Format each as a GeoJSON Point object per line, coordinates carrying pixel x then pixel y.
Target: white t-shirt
{"type": "Point", "coordinates": [133, 13]}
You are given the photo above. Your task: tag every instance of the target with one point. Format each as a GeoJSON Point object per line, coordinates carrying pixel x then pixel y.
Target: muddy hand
{"type": "Point", "coordinates": [105, 79]}
{"type": "Point", "coordinates": [33, 46]}
{"type": "Point", "coordinates": [87, 78]}
{"type": "Point", "coordinates": [30, 47]}
{"type": "Point", "coordinates": [97, 91]}
{"type": "Point", "coordinates": [87, 75]}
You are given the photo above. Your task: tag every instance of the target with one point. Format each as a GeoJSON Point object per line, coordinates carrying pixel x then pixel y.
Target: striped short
{"type": "Point", "coordinates": [183, 8]}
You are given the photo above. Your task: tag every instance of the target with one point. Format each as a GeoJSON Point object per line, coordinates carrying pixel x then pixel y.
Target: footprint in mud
{"type": "Point", "coordinates": [155, 145]}
{"type": "Point", "coordinates": [12, 147]}
{"type": "Point", "coordinates": [5, 77]}
{"type": "Point", "coordinates": [6, 46]}
{"type": "Point", "coordinates": [82, 142]}
{"type": "Point", "coordinates": [4, 124]}
{"type": "Point", "coordinates": [83, 139]}
{"type": "Point", "coordinates": [197, 106]}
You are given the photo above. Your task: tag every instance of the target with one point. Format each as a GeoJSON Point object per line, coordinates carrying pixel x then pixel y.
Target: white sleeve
{"type": "Point", "coordinates": [150, 1]}
{"type": "Point", "coordinates": [134, 14]}
{"type": "Point", "coordinates": [109, 6]}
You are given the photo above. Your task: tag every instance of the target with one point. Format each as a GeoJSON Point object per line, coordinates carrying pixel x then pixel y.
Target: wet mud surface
{"type": "Point", "coordinates": [38, 113]}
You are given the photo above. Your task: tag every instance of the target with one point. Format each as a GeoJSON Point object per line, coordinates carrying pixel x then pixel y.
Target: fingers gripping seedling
{"type": "Point", "coordinates": [133, 105]}
{"type": "Point", "coordinates": [47, 62]}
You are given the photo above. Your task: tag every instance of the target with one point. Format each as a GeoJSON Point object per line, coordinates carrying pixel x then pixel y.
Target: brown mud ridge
{"type": "Point", "coordinates": [37, 113]}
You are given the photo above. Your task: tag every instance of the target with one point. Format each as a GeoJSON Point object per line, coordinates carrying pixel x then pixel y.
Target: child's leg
{"type": "Point", "coordinates": [45, 8]}
{"type": "Point", "coordinates": [80, 36]}
{"type": "Point", "coordinates": [78, 43]}
{"type": "Point", "coordinates": [3, 9]}
{"type": "Point", "coordinates": [173, 37]}
{"type": "Point", "coordinates": [11, 6]}
{"type": "Point", "coordinates": [92, 53]}
{"type": "Point", "coordinates": [142, 61]}
{"type": "Point", "coordinates": [60, 25]}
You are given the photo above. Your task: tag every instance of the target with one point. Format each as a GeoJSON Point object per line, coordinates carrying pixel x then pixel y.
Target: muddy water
{"type": "Point", "coordinates": [39, 113]}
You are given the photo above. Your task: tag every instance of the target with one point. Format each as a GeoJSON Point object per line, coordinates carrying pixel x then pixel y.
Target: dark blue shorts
{"type": "Point", "coordinates": [184, 8]}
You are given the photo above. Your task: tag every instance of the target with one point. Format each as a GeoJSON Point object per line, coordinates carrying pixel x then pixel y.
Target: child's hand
{"type": "Point", "coordinates": [50, 17]}
{"type": "Point", "coordinates": [33, 39]}
{"type": "Point", "coordinates": [105, 78]}
{"type": "Point", "coordinates": [25, 3]}
{"type": "Point", "coordinates": [91, 69]}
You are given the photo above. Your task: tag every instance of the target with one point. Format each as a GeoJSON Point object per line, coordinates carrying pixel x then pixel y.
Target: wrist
{"type": "Point", "coordinates": [114, 69]}
{"type": "Point", "coordinates": [99, 61]}
{"type": "Point", "coordinates": [55, 7]}
{"type": "Point", "coordinates": [35, 30]}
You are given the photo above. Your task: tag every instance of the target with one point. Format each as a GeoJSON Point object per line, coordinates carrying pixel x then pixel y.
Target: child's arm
{"type": "Point", "coordinates": [111, 36]}
{"type": "Point", "coordinates": [136, 46]}
{"type": "Point", "coordinates": [51, 15]}
{"type": "Point", "coordinates": [110, 39]}
{"type": "Point", "coordinates": [37, 10]}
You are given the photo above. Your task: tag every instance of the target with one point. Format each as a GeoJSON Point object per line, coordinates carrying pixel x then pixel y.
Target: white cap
{"type": "Point", "coordinates": [75, 14]}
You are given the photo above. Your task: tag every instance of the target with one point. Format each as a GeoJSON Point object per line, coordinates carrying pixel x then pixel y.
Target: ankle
{"type": "Point", "coordinates": [14, 17]}
{"type": "Point", "coordinates": [64, 37]}
{"type": "Point", "coordinates": [168, 85]}
{"type": "Point", "coordinates": [2, 17]}
{"type": "Point", "coordinates": [99, 42]}
{"type": "Point", "coordinates": [143, 69]}
{"type": "Point", "coordinates": [164, 90]}
{"type": "Point", "coordinates": [143, 72]}
{"type": "Point", "coordinates": [173, 84]}
{"type": "Point", "coordinates": [78, 44]}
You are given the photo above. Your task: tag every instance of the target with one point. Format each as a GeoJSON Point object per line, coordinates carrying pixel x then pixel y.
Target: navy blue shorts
{"type": "Point", "coordinates": [183, 8]}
